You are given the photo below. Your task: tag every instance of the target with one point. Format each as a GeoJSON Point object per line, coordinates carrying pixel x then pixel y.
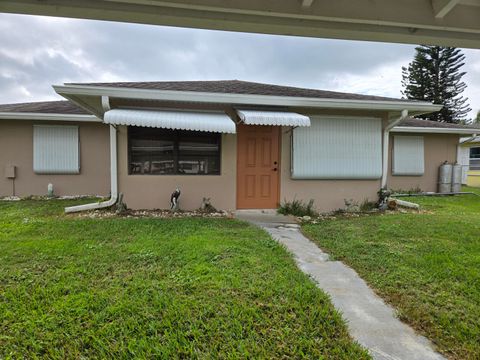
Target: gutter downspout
{"type": "Point", "coordinates": [386, 135]}
{"type": "Point", "coordinates": [113, 173]}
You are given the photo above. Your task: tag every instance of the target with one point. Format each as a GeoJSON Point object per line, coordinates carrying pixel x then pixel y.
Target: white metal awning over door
{"type": "Point", "coordinates": [279, 118]}
{"type": "Point", "coordinates": [171, 119]}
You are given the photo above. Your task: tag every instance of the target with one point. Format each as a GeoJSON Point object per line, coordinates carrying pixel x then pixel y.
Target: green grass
{"type": "Point", "coordinates": [427, 265]}
{"type": "Point", "coordinates": [155, 288]}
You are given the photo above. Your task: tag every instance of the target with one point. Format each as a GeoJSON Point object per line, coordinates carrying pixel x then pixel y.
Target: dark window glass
{"type": "Point", "coordinates": [475, 153]}
{"type": "Point", "coordinates": [163, 152]}
{"type": "Point", "coordinates": [475, 158]}
{"type": "Point", "coordinates": [198, 154]}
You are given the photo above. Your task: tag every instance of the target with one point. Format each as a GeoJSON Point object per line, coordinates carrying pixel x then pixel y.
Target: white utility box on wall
{"type": "Point", "coordinates": [10, 171]}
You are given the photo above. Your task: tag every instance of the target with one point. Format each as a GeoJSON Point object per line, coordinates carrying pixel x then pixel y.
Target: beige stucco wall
{"type": "Point", "coordinates": [330, 194]}
{"type": "Point", "coordinates": [438, 148]}
{"type": "Point", "coordinates": [327, 194]}
{"type": "Point", "coordinates": [153, 191]}
{"type": "Point", "coordinates": [16, 148]}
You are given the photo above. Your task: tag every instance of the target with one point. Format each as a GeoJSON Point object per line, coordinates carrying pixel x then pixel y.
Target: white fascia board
{"type": "Point", "coordinates": [432, 130]}
{"type": "Point", "coordinates": [246, 99]}
{"type": "Point", "coordinates": [47, 116]}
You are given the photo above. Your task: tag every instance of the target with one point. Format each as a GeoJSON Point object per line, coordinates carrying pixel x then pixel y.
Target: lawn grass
{"type": "Point", "coordinates": [155, 288]}
{"type": "Point", "coordinates": [427, 265]}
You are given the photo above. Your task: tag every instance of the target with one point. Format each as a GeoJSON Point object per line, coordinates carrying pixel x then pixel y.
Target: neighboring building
{"type": "Point", "coordinates": [241, 144]}
{"type": "Point", "coordinates": [469, 153]}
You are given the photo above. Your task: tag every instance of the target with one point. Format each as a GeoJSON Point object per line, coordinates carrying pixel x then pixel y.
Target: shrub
{"type": "Point", "coordinates": [415, 190]}
{"type": "Point", "coordinates": [297, 208]}
{"type": "Point", "coordinates": [367, 205]}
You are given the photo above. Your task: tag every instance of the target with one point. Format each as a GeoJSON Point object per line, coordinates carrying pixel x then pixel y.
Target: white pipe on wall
{"type": "Point", "coordinates": [113, 179]}
{"type": "Point", "coordinates": [386, 136]}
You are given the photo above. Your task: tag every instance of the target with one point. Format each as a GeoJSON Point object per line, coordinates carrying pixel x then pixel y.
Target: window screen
{"type": "Point", "coordinates": [172, 152]}
{"type": "Point", "coordinates": [408, 155]}
{"type": "Point", "coordinates": [338, 148]}
{"type": "Point", "coordinates": [56, 149]}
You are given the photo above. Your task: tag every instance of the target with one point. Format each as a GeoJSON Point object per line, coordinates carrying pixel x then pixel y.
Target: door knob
{"type": "Point", "coordinates": [275, 169]}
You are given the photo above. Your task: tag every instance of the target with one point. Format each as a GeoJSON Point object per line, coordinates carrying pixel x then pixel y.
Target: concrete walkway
{"type": "Point", "coordinates": [371, 322]}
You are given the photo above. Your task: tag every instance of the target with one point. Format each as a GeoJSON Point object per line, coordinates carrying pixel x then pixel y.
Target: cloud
{"type": "Point", "coordinates": [472, 79]}
{"type": "Point", "coordinates": [41, 51]}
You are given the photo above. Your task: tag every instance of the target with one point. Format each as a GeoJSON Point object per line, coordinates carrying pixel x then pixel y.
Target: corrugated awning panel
{"type": "Point", "coordinates": [280, 118]}
{"type": "Point", "coordinates": [171, 119]}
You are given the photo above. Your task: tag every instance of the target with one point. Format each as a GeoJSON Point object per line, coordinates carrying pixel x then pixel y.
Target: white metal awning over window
{"type": "Point", "coordinates": [280, 118]}
{"type": "Point", "coordinates": [171, 119]}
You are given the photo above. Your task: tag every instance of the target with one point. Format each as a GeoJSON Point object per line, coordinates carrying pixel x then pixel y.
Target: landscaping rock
{"type": "Point", "coordinates": [294, 226]}
{"type": "Point", "coordinates": [11, 198]}
{"type": "Point", "coordinates": [157, 213]}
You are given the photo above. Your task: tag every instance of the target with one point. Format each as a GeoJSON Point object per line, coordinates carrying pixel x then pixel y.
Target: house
{"type": "Point", "coordinates": [469, 155]}
{"type": "Point", "coordinates": [244, 145]}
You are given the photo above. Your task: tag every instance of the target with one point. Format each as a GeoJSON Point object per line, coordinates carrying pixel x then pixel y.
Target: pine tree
{"type": "Point", "coordinates": [435, 75]}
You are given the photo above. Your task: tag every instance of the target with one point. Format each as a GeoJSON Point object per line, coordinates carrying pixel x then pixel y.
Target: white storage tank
{"type": "Point", "coordinates": [445, 178]}
{"type": "Point", "coordinates": [457, 178]}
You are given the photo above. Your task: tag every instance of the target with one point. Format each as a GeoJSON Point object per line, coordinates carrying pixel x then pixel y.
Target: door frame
{"type": "Point", "coordinates": [279, 167]}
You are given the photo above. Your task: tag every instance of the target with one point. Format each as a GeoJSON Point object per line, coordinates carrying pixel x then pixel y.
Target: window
{"type": "Point", "coordinates": [475, 158]}
{"type": "Point", "coordinates": [56, 149]}
{"type": "Point", "coordinates": [336, 147]}
{"type": "Point", "coordinates": [173, 152]}
{"type": "Point", "coordinates": [408, 155]}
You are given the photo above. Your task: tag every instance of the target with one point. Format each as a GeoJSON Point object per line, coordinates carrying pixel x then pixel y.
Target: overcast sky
{"type": "Point", "coordinates": [36, 52]}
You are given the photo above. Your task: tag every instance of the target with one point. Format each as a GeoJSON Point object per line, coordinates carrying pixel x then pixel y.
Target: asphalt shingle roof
{"type": "Point", "coordinates": [239, 87]}
{"type": "Point", "coordinates": [67, 107]}
{"type": "Point", "coordinates": [44, 107]}
{"type": "Point", "coordinates": [221, 86]}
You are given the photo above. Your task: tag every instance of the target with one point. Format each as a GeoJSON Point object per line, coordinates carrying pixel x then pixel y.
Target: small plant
{"type": "Point", "coordinates": [120, 206]}
{"type": "Point", "coordinates": [297, 208]}
{"type": "Point", "coordinates": [383, 195]}
{"type": "Point", "coordinates": [415, 190]}
{"type": "Point", "coordinates": [207, 206]}
{"type": "Point", "coordinates": [367, 205]}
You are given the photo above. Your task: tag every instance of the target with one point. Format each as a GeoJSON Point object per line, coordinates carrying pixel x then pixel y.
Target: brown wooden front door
{"type": "Point", "coordinates": [258, 166]}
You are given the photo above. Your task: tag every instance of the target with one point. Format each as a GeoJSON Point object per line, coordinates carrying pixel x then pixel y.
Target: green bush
{"type": "Point", "coordinates": [415, 190]}
{"type": "Point", "coordinates": [367, 205]}
{"type": "Point", "coordinates": [297, 208]}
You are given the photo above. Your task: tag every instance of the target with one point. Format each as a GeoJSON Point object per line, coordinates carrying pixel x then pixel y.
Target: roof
{"type": "Point", "coordinates": [421, 123]}
{"type": "Point", "coordinates": [67, 110]}
{"type": "Point", "coordinates": [239, 87]}
{"type": "Point", "coordinates": [44, 107]}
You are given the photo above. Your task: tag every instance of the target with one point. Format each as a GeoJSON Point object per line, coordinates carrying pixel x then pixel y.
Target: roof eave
{"type": "Point", "coordinates": [413, 107]}
{"type": "Point", "coordinates": [433, 130]}
{"type": "Point", "coordinates": [48, 116]}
